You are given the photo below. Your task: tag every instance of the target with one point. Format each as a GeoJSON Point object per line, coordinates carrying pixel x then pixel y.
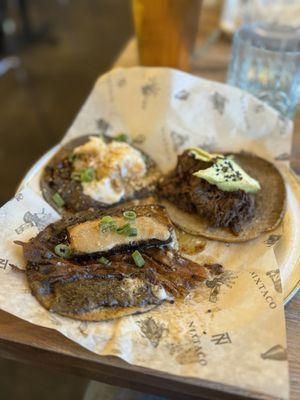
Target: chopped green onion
{"type": "Point", "coordinates": [76, 176]}
{"type": "Point", "coordinates": [88, 174]}
{"type": "Point", "coordinates": [103, 260]}
{"type": "Point", "coordinates": [107, 224]}
{"type": "Point", "coordinates": [72, 157]}
{"type": "Point", "coordinates": [124, 230]}
{"type": "Point", "coordinates": [105, 219]}
{"type": "Point", "coordinates": [122, 137]}
{"type": "Point", "coordinates": [63, 250]}
{"type": "Point", "coordinates": [131, 215]}
{"type": "Point", "coordinates": [138, 259]}
{"type": "Point", "coordinates": [133, 232]}
{"type": "Point", "coordinates": [84, 175]}
{"type": "Point", "coordinates": [58, 200]}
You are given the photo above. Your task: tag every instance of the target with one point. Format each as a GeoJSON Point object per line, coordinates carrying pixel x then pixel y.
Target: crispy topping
{"type": "Point", "coordinates": [105, 168]}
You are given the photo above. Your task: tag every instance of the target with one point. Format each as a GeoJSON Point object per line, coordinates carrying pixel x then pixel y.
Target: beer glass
{"type": "Point", "coordinates": [166, 31]}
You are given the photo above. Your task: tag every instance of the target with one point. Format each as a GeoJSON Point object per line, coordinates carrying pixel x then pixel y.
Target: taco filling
{"type": "Point", "coordinates": [214, 187]}
{"type": "Point", "coordinates": [91, 280]}
{"type": "Point", "coordinates": [97, 171]}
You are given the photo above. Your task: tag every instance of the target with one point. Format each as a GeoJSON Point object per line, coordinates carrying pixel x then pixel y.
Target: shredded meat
{"type": "Point", "coordinates": [192, 194]}
{"type": "Point", "coordinates": [82, 283]}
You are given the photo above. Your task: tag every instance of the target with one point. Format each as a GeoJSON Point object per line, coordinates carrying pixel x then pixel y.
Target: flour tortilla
{"type": "Point", "coordinates": [269, 212]}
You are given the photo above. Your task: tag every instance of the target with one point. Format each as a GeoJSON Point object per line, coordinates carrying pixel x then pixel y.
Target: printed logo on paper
{"type": "Point", "coordinates": [219, 102]}
{"type": "Point", "coordinates": [182, 95]}
{"type": "Point", "coordinates": [264, 292]}
{"type": "Point", "coordinates": [274, 275]}
{"type": "Point", "coordinates": [227, 279]}
{"type": "Point", "coordinates": [272, 239]}
{"type": "Point", "coordinates": [39, 220]}
{"type": "Point", "coordinates": [153, 330]}
{"type": "Point", "coordinates": [277, 353]}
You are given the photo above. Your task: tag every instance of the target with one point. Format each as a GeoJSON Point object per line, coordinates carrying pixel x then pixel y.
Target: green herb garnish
{"type": "Point", "coordinates": [103, 260]}
{"type": "Point", "coordinates": [122, 137]}
{"type": "Point", "coordinates": [88, 174]}
{"type": "Point", "coordinates": [76, 176]}
{"type": "Point", "coordinates": [109, 227]}
{"type": "Point", "coordinates": [107, 224]}
{"type": "Point", "coordinates": [84, 175]}
{"type": "Point", "coordinates": [124, 229]}
{"type": "Point", "coordinates": [58, 200]}
{"type": "Point", "coordinates": [105, 219]}
{"type": "Point", "coordinates": [138, 259]}
{"type": "Point", "coordinates": [72, 157]}
{"type": "Point", "coordinates": [131, 215]}
{"type": "Point", "coordinates": [133, 232]}
{"type": "Point", "coordinates": [63, 250]}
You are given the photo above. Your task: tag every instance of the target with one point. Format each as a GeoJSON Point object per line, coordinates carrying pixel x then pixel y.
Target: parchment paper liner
{"type": "Point", "coordinates": [232, 328]}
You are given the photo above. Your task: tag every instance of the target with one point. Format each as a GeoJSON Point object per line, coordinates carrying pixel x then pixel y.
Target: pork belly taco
{"type": "Point", "coordinates": [97, 266]}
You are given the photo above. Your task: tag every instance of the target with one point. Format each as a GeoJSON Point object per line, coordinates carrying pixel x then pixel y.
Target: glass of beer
{"type": "Point", "coordinates": [166, 31]}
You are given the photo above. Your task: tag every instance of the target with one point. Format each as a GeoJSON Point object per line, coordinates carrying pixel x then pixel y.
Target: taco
{"type": "Point", "coordinates": [230, 197]}
{"type": "Point", "coordinates": [97, 172]}
{"type": "Point", "coordinates": [96, 266]}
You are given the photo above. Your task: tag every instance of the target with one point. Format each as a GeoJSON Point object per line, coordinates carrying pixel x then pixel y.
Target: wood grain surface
{"type": "Point", "coordinates": [22, 341]}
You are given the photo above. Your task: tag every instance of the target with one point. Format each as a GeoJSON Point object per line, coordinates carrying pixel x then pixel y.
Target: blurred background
{"type": "Point", "coordinates": [51, 53]}
{"type": "Point", "coordinates": [62, 46]}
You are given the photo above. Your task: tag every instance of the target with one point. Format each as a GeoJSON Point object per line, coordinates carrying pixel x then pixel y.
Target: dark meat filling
{"type": "Point", "coordinates": [75, 287]}
{"type": "Point", "coordinates": [192, 194]}
{"type": "Point", "coordinates": [81, 283]}
{"type": "Point", "coordinates": [58, 177]}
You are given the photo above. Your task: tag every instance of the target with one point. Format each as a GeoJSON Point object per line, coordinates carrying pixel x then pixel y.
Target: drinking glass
{"type": "Point", "coordinates": [166, 31]}
{"type": "Point", "coordinates": [265, 61]}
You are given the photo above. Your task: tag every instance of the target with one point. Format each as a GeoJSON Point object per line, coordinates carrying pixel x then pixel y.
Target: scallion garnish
{"type": "Point", "coordinates": [124, 229]}
{"type": "Point", "coordinates": [107, 224]}
{"type": "Point", "coordinates": [138, 259]}
{"type": "Point", "coordinates": [109, 227]}
{"type": "Point", "coordinates": [131, 215]}
{"type": "Point", "coordinates": [105, 219]}
{"type": "Point", "coordinates": [63, 250]}
{"type": "Point", "coordinates": [133, 231]}
{"type": "Point", "coordinates": [103, 260]}
{"type": "Point", "coordinates": [88, 174]}
{"type": "Point", "coordinates": [84, 175]}
{"type": "Point", "coordinates": [58, 200]}
{"type": "Point", "coordinates": [122, 137]}
{"type": "Point", "coordinates": [72, 157]}
{"type": "Point", "coordinates": [76, 176]}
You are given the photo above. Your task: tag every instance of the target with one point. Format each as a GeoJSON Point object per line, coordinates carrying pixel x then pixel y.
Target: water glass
{"type": "Point", "coordinates": [265, 61]}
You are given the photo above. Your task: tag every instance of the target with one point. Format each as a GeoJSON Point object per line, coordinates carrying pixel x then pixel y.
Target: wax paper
{"type": "Point", "coordinates": [231, 329]}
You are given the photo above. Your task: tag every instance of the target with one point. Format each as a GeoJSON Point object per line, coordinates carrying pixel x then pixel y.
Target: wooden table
{"type": "Point", "coordinates": [24, 342]}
